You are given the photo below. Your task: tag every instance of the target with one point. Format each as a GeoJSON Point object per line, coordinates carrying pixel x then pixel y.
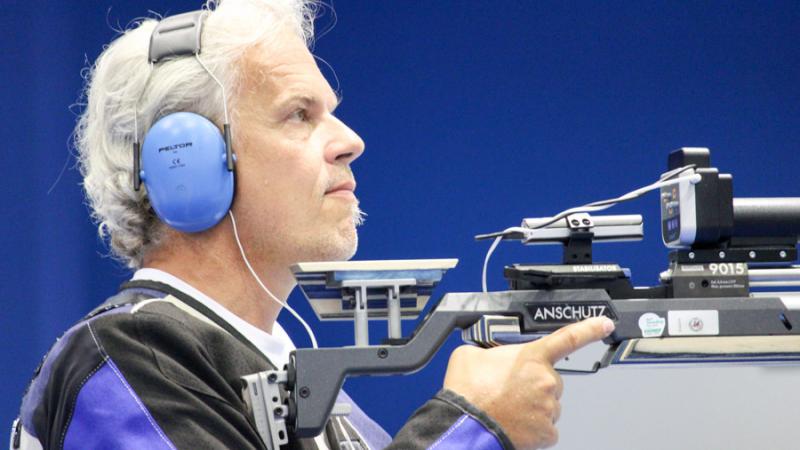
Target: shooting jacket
{"type": "Point", "coordinates": [152, 368]}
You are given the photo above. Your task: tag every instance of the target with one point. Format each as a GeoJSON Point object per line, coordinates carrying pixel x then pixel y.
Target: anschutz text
{"type": "Point", "coordinates": [568, 312]}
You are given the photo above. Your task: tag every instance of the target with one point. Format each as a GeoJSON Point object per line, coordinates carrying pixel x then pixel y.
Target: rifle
{"type": "Point", "coordinates": [704, 309]}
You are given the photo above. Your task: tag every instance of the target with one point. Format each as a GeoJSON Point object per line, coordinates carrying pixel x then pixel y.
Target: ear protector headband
{"type": "Point", "coordinates": [186, 164]}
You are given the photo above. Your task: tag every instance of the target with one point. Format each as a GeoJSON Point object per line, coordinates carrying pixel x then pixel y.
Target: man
{"type": "Point", "coordinates": [157, 366]}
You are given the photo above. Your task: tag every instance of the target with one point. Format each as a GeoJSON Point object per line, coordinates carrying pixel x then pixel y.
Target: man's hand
{"type": "Point", "coordinates": [516, 384]}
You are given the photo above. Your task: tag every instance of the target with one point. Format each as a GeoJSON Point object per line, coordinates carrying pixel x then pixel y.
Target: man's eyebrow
{"type": "Point", "coordinates": [308, 100]}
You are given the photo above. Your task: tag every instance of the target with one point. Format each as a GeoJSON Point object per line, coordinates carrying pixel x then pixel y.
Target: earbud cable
{"type": "Point", "coordinates": [264, 288]}
{"type": "Point", "coordinates": [221, 86]}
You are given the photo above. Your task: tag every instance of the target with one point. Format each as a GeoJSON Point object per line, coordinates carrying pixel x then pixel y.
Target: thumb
{"type": "Point", "coordinates": [570, 338]}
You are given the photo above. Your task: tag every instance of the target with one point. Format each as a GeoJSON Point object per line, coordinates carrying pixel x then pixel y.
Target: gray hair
{"type": "Point", "coordinates": [104, 133]}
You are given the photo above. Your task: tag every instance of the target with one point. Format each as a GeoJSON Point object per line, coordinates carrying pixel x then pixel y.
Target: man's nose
{"type": "Point", "coordinates": [346, 146]}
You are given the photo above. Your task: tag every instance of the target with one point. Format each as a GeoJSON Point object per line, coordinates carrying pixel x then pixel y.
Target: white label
{"type": "Point", "coordinates": [595, 268]}
{"type": "Point", "coordinates": [652, 325]}
{"type": "Point", "coordinates": [693, 323]}
{"type": "Point", "coordinates": [728, 268]}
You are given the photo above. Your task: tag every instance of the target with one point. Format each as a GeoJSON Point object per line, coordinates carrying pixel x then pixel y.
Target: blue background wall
{"type": "Point", "coordinates": [475, 114]}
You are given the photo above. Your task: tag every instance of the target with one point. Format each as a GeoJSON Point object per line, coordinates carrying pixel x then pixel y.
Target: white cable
{"type": "Point", "coordinates": [494, 246]}
{"type": "Point", "coordinates": [221, 86]}
{"type": "Point", "coordinates": [591, 207]}
{"type": "Point", "coordinates": [694, 179]}
{"type": "Point", "coordinates": [264, 288]}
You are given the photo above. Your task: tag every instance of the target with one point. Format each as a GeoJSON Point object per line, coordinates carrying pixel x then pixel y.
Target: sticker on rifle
{"type": "Point", "coordinates": [652, 325]}
{"type": "Point", "coordinates": [693, 323]}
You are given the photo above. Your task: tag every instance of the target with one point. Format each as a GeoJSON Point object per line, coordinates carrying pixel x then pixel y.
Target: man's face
{"type": "Point", "coordinates": [294, 187]}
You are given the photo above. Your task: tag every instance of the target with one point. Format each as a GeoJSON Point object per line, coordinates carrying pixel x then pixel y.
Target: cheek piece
{"type": "Point", "coordinates": [186, 164]}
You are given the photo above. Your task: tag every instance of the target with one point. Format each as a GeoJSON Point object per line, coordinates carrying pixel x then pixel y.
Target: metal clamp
{"type": "Point", "coordinates": [262, 394]}
{"type": "Point", "coordinates": [392, 287]}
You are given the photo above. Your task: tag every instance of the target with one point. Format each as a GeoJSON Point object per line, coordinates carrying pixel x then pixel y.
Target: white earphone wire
{"type": "Point", "coordinates": [265, 289]}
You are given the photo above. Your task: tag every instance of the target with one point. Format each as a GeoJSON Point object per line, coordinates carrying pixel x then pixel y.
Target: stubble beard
{"type": "Point", "coordinates": [340, 244]}
{"type": "Point", "coordinates": [350, 235]}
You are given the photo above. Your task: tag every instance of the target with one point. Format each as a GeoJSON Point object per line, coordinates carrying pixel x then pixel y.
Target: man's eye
{"type": "Point", "coordinates": [300, 115]}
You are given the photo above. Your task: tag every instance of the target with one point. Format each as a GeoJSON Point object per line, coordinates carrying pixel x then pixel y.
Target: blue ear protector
{"type": "Point", "coordinates": [185, 162]}
{"type": "Point", "coordinates": [185, 171]}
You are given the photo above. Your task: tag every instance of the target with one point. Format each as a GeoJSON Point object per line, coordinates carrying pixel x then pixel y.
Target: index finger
{"type": "Point", "coordinates": [570, 338]}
